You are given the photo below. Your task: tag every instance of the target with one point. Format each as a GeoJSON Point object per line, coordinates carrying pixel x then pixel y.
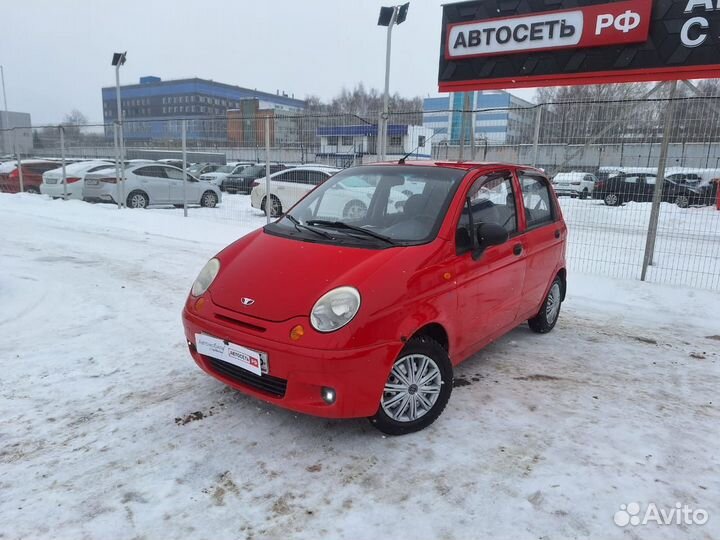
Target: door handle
{"type": "Point", "coordinates": [557, 234]}
{"type": "Point", "coordinates": [517, 249]}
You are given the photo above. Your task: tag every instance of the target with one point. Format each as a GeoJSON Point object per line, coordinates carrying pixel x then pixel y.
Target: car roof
{"type": "Point", "coordinates": [463, 165]}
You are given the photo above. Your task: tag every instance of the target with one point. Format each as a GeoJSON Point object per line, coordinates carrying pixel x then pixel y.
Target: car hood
{"type": "Point", "coordinates": [285, 277]}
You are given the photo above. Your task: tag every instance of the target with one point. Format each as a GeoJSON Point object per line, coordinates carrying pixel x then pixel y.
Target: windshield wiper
{"type": "Point", "coordinates": [299, 226]}
{"type": "Point", "coordinates": [343, 225]}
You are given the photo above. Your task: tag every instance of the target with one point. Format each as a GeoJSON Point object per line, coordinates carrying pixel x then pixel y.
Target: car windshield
{"type": "Point", "coordinates": [194, 169]}
{"type": "Point", "coordinates": [374, 205]}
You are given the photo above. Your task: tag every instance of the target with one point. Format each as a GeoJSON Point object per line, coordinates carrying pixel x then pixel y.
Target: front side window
{"type": "Point", "coordinates": [492, 201]}
{"type": "Point", "coordinates": [173, 173]}
{"type": "Point", "coordinates": [374, 206]}
{"type": "Point", "coordinates": [538, 205]}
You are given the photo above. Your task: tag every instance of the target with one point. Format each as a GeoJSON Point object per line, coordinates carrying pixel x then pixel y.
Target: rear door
{"type": "Point", "coordinates": [153, 180]}
{"type": "Point", "coordinates": [541, 239]}
{"type": "Point", "coordinates": [489, 289]}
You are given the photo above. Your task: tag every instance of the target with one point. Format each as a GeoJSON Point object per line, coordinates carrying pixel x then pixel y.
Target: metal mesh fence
{"type": "Point", "coordinates": [602, 157]}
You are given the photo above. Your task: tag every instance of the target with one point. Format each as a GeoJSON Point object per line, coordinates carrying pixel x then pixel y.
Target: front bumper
{"type": "Point", "coordinates": [296, 374]}
{"type": "Point", "coordinates": [567, 190]}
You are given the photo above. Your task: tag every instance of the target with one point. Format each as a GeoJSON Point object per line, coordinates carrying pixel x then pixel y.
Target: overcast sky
{"type": "Point", "coordinates": [56, 54]}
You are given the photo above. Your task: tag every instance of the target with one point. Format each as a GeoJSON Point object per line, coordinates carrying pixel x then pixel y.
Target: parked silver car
{"type": "Point", "coordinates": [150, 184]}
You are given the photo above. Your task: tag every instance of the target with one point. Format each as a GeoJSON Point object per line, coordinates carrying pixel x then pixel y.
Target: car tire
{"type": "Point", "coordinates": [683, 201]}
{"type": "Point", "coordinates": [354, 209]}
{"type": "Point", "coordinates": [137, 199]}
{"type": "Point", "coordinates": [402, 398]}
{"type": "Point", "coordinates": [549, 312]}
{"type": "Point", "coordinates": [612, 199]}
{"type": "Point", "coordinates": [33, 190]}
{"type": "Point", "coordinates": [209, 199]}
{"type": "Point", "coordinates": [276, 207]}
{"type": "Point", "coordinates": [584, 194]}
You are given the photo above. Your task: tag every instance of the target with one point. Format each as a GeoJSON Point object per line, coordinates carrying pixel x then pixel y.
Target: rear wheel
{"type": "Point", "coordinates": [546, 318]}
{"type": "Point", "coordinates": [32, 189]}
{"type": "Point", "coordinates": [354, 210]}
{"type": "Point", "coordinates": [275, 206]}
{"type": "Point", "coordinates": [584, 194]}
{"type": "Point", "coordinates": [417, 389]}
{"type": "Point", "coordinates": [612, 199]}
{"type": "Point", "coordinates": [137, 199]}
{"type": "Point", "coordinates": [209, 199]}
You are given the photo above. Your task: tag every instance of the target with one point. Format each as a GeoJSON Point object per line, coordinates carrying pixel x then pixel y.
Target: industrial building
{"type": "Point", "coordinates": [501, 117]}
{"type": "Point", "coordinates": [152, 109]}
{"type": "Point", "coordinates": [15, 133]}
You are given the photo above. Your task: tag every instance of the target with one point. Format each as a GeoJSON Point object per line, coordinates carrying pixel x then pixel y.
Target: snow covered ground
{"type": "Point", "coordinates": [109, 430]}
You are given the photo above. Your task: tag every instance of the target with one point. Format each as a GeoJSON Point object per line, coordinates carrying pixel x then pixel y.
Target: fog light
{"type": "Point", "coordinates": [297, 332]}
{"type": "Point", "coordinates": [328, 395]}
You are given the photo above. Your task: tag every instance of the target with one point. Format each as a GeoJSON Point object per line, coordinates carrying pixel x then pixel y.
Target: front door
{"type": "Point", "coordinates": [489, 288]}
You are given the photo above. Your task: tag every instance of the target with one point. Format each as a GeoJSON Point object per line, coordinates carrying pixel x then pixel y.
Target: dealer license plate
{"type": "Point", "coordinates": [237, 355]}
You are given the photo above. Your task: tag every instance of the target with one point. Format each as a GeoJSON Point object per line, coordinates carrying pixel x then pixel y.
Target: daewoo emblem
{"type": "Point", "coordinates": [247, 301]}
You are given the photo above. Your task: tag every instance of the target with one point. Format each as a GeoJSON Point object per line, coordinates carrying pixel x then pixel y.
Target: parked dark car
{"type": "Point", "coordinates": [640, 187]}
{"type": "Point", "coordinates": [196, 169]}
{"type": "Point", "coordinates": [242, 183]}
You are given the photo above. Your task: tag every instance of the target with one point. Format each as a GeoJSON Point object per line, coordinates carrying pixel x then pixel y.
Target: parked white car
{"type": "Point", "coordinates": [575, 183]}
{"type": "Point", "coordinates": [223, 172]}
{"type": "Point", "coordinates": [289, 186]}
{"type": "Point", "coordinates": [52, 183]}
{"type": "Point", "coordinates": [149, 184]}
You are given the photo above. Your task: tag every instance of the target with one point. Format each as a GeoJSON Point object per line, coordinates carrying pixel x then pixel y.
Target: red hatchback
{"type": "Point", "coordinates": [366, 317]}
{"type": "Point", "coordinates": [32, 171]}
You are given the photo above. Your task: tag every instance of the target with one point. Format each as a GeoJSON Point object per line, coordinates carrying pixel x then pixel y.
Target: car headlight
{"type": "Point", "coordinates": [335, 309]}
{"type": "Point", "coordinates": [205, 277]}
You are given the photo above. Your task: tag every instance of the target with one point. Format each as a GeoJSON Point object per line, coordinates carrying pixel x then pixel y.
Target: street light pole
{"type": "Point", "coordinates": [386, 95]}
{"type": "Point", "coordinates": [5, 112]}
{"type": "Point", "coordinates": [119, 60]}
{"type": "Point", "coordinates": [389, 16]}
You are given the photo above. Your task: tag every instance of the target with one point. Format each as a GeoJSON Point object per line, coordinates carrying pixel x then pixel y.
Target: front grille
{"type": "Point", "coordinates": [273, 386]}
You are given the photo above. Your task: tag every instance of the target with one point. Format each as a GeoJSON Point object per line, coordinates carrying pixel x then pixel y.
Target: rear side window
{"type": "Point", "coordinates": [539, 209]}
{"type": "Point", "coordinates": [316, 177]}
{"type": "Point", "coordinates": [155, 172]}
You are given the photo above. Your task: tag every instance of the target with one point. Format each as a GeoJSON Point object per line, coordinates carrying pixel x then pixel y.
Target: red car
{"type": "Point", "coordinates": [367, 317]}
{"type": "Point", "coordinates": [32, 171]}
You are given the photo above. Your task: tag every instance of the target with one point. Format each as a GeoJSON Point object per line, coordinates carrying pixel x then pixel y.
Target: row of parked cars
{"type": "Point", "coordinates": [147, 182]}
{"type": "Point", "coordinates": [615, 187]}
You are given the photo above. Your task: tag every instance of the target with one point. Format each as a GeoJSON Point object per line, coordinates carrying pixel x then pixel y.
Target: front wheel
{"type": "Point", "coordinates": [417, 389]}
{"type": "Point", "coordinates": [683, 201]}
{"type": "Point", "coordinates": [546, 318]}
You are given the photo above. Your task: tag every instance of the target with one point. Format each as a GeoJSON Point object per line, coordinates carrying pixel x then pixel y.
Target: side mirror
{"type": "Point", "coordinates": [488, 234]}
{"type": "Point", "coordinates": [491, 234]}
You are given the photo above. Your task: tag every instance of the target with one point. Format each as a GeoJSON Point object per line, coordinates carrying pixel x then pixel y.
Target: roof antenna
{"type": "Point", "coordinates": [401, 161]}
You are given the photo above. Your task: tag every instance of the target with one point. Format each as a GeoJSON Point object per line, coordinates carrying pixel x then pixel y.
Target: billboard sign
{"type": "Point", "coordinates": [490, 44]}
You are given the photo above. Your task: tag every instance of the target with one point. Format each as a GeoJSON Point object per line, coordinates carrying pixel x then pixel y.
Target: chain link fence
{"type": "Point", "coordinates": [602, 157]}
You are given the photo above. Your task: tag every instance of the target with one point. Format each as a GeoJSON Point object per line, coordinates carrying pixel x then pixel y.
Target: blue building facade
{"type": "Point", "coordinates": [152, 109]}
{"type": "Point", "coordinates": [500, 117]}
